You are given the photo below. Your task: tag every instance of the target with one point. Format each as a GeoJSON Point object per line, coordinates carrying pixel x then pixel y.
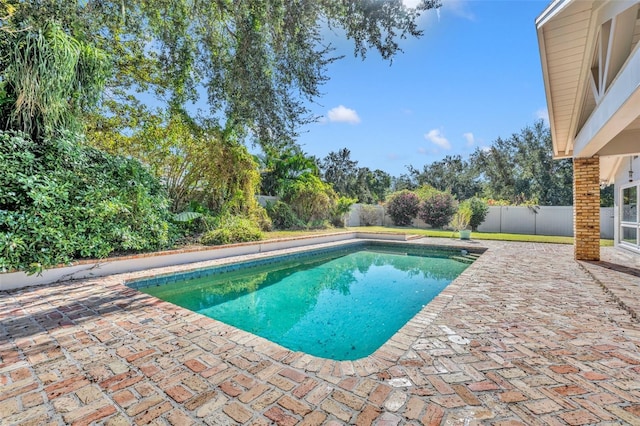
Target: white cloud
{"type": "Point", "coordinates": [422, 150]}
{"type": "Point", "coordinates": [342, 114]}
{"type": "Point", "coordinates": [411, 3]}
{"type": "Point", "coordinates": [436, 137]}
{"type": "Point", "coordinates": [543, 114]}
{"type": "Point", "coordinates": [456, 8]}
{"type": "Point", "coordinates": [471, 140]}
{"type": "Point", "coordinates": [459, 8]}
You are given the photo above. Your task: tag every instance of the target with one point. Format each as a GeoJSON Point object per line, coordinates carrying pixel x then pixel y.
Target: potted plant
{"type": "Point", "coordinates": [460, 221]}
{"type": "Point", "coordinates": [479, 210]}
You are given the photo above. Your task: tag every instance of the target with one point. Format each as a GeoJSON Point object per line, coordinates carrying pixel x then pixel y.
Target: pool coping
{"type": "Point", "coordinates": [396, 349]}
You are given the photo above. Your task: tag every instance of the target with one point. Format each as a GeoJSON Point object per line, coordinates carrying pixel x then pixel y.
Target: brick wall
{"type": "Point", "coordinates": [586, 208]}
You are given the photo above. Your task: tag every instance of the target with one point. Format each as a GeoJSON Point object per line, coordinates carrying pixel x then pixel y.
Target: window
{"type": "Point", "coordinates": [629, 216]}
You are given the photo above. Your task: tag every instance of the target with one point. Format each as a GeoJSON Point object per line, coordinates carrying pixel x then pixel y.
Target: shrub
{"type": "Point", "coordinates": [369, 215]}
{"type": "Point", "coordinates": [310, 198]}
{"type": "Point", "coordinates": [283, 217]}
{"type": "Point", "coordinates": [402, 207]}
{"type": "Point", "coordinates": [233, 229]}
{"type": "Point", "coordinates": [197, 163]}
{"type": "Point", "coordinates": [461, 218]}
{"type": "Point", "coordinates": [260, 217]}
{"type": "Point", "coordinates": [479, 209]}
{"type": "Point", "coordinates": [308, 203]}
{"type": "Point", "coordinates": [317, 224]}
{"type": "Point", "coordinates": [438, 209]}
{"type": "Point", "coordinates": [426, 191]}
{"type": "Point", "coordinates": [341, 207]}
{"type": "Point", "coordinates": [492, 202]}
{"type": "Point", "coordinates": [61, 200]}
{"type": "Point", "coordinates": [196, 219]}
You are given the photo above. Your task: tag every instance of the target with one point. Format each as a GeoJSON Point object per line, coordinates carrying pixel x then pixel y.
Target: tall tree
{"type": "Point", "coordinates": [340, 170]}
{"type": "Point", "coordinates": [257, 62]}
{"type": "Point", "coordinates": [521, 168]}
{"type": "Point", "coordinates": [402, 182]}
{"type": "Point", "coordinates": [496, 169]}
{"type": "Point", "coordinates": [450, 174]}
{"type": "Point", "coordinates": [548, 180]}
{"type": "Point", "coordinates": [379, 183]}
{"type": "Point", "coordinates": [360, 186]}
{"type": "Point", "coordinates": [349, 180]}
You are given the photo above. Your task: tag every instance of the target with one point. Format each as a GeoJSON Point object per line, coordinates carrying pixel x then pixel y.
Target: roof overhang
{"type": "Point", "coordinates": [590, 60]}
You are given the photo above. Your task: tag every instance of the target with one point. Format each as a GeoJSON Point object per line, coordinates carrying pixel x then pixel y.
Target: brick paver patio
{"type": "Point", "coordinates": [526, 335]}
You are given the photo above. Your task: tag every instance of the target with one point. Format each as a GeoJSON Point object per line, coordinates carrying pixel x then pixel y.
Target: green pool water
{"type": "Point", "coordinates": [341, 305]}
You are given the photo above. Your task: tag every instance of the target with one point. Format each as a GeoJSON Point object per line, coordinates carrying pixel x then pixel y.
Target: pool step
{"type": "Point", "coordinates": [466, 258]}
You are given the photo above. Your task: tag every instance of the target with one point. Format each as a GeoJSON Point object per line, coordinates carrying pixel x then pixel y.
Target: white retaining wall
{"type": "Point", "coordinates": [115, 265]}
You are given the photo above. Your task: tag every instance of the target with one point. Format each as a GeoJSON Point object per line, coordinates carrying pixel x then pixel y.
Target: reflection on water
{"type": "Point", "coordinates": [337, 305]}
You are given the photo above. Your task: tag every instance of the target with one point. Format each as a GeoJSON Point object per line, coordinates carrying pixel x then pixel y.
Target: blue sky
{"type": "Point", "coordinates": [474, 76]}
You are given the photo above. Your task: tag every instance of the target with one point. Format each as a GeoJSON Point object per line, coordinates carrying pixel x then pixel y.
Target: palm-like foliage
{"type": "Point", "coordinates": [280, 169]}
{"type": "Point", "coordinates": [50, 78]}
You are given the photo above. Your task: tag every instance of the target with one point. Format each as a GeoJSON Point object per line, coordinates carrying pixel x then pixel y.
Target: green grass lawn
{"type": "Point", "coordinates": [437, 233]}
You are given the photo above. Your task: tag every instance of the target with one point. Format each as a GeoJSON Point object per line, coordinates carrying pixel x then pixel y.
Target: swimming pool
{"type": "Point", "coordinates": [340, 303]}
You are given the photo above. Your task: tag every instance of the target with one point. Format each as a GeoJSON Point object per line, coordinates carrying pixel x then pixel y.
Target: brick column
{"type": "Point", "coordinates": [586, 208]}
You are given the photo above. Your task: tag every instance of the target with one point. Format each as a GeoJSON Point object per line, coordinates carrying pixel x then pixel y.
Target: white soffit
{"type": "Point", "coordinates": [563, 35]}
{"type": "Point", "coordinates": [590, 54]}
{"type": "Point", "coordinates": [609, 168]}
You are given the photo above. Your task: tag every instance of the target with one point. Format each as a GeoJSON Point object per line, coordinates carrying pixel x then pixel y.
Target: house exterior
{"type": "Point", "coordinates": [590, 54]}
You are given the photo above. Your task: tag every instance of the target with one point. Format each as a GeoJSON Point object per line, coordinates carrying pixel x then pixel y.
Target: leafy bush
{"type": "Point", "coordinates": [196, 219]}
{"type": "Point", "coordinates": [233, 229]}
{"type": "Point", "coordinates": [196, 162]}
{"type": "Point", "coordinates": [259, 216]}
{"type": "Point", "coordinates": [479, 209]}
{"type": "Point", "coordinates": [403, 207]}
{"type": "Point", "coordinates": [461, 218]}
{"type": "Point", "coordinates": [317, 224]}
{"type": "Point", "coordinates": [283, 217]}
{"type": "Point", "coordinates": [310, 198]}
{"type": "Point", "coordinates": [51, 80]}
{"type": "Point", "coordinates": [61, 200]}
{"type": "Point", "coordinates": [492, 202]}
{"type": "Point", "coordinates": [341, 207]}
{"type": "Point", "coordinates": [426, 191]}
{"type": "Point", "coordinates": [438, 209]}
{"type": "Point", "coordinates": [369, 215]}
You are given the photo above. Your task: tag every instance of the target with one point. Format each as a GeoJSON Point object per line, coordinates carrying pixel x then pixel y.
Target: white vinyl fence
{"type": "Point", "coordinates": [543, 220]}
